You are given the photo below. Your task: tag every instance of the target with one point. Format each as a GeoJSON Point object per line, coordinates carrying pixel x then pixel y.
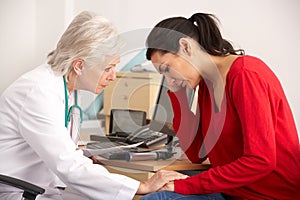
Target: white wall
{"type": "Point", "coordinates": [29, 31]}
{"type": "Point", "coordinates": [268, 29]}
{"type": "Point", "coordinates": [17, 38]}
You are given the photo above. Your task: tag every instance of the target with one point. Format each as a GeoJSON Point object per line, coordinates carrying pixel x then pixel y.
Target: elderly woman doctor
{"type": "Point", "coordinates": [35, 120]}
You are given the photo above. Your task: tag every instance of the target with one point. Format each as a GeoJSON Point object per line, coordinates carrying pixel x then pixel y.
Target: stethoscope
{"type": "Point", "coordinates": [67, 110]}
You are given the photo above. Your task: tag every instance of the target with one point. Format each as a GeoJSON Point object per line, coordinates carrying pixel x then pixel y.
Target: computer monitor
{"type": "Point", "coordinates": [162, 118]}
{"type": "Point", "coordinates": [126, 121]}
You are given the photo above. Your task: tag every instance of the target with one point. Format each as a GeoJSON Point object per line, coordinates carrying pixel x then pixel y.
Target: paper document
{"type": "Point", "coordinates": [95, 152]}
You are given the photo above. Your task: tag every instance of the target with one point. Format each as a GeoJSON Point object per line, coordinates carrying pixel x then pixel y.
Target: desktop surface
{"type": "Point", "coordinates": [155, 165]}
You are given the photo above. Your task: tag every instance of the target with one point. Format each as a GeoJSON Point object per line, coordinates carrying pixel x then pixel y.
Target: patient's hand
{"type": "Point", "coordinates": [159, 180]}
{"type": "Point", "coordinates": [168, 187]}
{"type": "Point", "coordinates": [173, 84]}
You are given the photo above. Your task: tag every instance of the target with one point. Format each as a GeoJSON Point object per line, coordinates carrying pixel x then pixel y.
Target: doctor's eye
{"type": "Point", "coordinates": [108, 69]}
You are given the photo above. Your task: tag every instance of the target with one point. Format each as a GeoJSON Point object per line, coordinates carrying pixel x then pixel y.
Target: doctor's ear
{"type": "Point", "coordinates": [77, 66]}
{"type": "Point", "coordinates": [185, 46]}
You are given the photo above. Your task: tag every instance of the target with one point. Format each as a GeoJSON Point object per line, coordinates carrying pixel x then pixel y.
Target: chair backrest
{"type": "Point", "coordinates": [30, 190]}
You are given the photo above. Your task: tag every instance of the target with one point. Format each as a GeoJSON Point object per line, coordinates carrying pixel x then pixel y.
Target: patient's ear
{"type": "Point", "coordinates": [77, 66]}
{"type": "Point", "coordinates": [185, 46]}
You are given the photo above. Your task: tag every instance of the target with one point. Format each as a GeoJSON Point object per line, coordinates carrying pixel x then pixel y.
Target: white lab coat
{"type": "Point", "coordinates": [35, 145]}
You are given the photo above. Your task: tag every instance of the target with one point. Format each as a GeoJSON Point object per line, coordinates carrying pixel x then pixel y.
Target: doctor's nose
{"type": "Point", "coordinates": [112, 75]}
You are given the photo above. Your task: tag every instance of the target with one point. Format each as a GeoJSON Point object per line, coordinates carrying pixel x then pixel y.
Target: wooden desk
{"type": "Point", "coordinates": [143, 170]}
{"type": "Point", "coordinates": [154, 165]}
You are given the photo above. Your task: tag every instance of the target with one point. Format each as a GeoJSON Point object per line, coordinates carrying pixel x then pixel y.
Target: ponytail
{"type": "Point", "coordinates": [165, 36]}
{"type": "Point", "coordinates": [210, 37]}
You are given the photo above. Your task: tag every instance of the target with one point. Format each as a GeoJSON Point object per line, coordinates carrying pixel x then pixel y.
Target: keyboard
{"type": "Point", "coordinates": [104, 144]}
{"type": "Point", "coordinates": [148, 137]}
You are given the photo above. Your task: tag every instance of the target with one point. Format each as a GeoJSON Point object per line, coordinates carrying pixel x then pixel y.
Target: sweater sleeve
{"type": "Point", "coordinates": [249, 94]}
{"type": "Point", "coordinates": [185, 124]}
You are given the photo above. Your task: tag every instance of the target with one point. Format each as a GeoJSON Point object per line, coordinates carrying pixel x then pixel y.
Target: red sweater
{"type": "Point", "coordinates": [252, 143]}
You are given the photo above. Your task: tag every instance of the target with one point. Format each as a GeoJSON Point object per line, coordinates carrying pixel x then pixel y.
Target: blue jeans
{"type": "Point", "coordinates": [166, 195]}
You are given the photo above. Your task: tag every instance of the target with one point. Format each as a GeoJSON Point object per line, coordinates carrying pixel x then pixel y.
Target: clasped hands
{"type": "Point", "coordinates": [161, 180]}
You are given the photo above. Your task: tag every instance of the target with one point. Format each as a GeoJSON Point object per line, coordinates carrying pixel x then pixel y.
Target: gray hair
{"type": "Point", "coordinates": [88, 37]}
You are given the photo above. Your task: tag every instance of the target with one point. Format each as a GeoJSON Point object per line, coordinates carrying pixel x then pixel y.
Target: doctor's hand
{"type": "Point", "coordinates": [95, 160]}
{"type": "Point", "coordinates": [158, 180]}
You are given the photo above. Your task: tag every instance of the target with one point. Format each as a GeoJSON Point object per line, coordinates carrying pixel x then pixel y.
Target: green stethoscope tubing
{"type": "Point", "coordinates": [67, 111]}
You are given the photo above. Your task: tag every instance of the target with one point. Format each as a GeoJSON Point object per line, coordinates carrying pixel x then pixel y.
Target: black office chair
{"type": "Point", "coordinates": [30, 190]}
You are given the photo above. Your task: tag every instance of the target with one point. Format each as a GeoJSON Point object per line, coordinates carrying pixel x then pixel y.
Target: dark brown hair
{"type": "Point", "coordinates": [202, 27]}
